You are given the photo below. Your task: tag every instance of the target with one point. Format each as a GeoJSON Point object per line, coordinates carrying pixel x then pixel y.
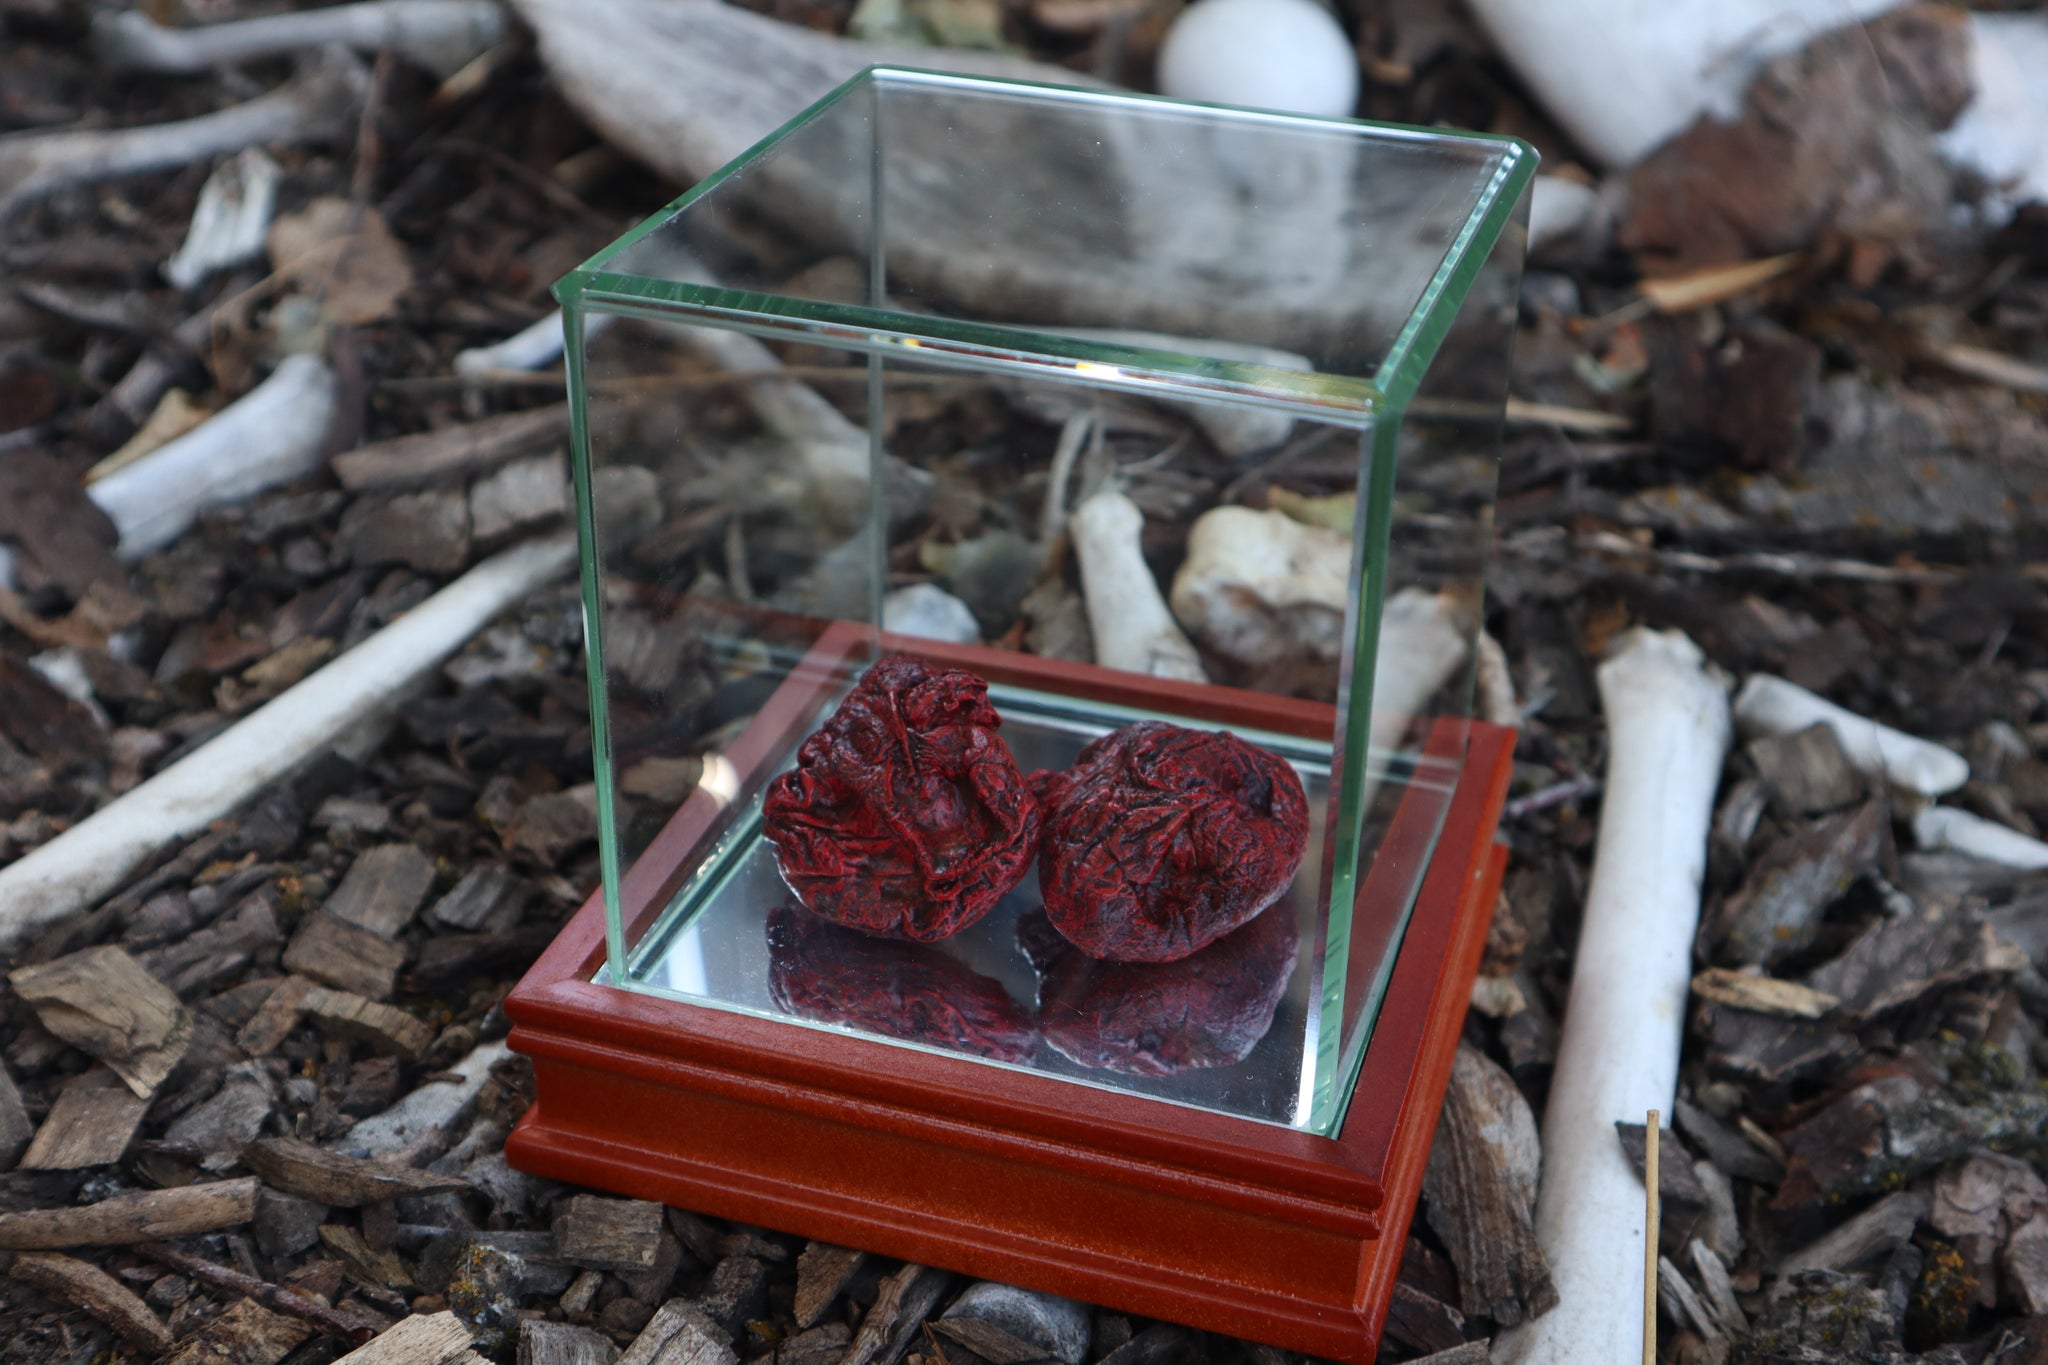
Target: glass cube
{"type": "Point", "coordinates": [980, 359]}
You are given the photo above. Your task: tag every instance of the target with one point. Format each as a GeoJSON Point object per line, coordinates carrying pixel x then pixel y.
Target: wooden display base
{"type": "Point", "coordinates": [1228, 1224]}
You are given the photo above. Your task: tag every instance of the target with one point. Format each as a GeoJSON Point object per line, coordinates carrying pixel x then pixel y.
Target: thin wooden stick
{"type": "Point", "coordinates": [1650, 1240]}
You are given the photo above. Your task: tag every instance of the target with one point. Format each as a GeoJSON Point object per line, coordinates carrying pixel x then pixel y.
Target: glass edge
{"type": "Point", "coordinates": [1312, 395]}
{"type": "Point", "coordinates": [1400, 373]}
{"type": "Point", "coordinates": [578, 275]}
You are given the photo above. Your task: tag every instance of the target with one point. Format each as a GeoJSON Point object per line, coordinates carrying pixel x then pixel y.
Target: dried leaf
{"type": "Point", "coordinates": [344, 255]}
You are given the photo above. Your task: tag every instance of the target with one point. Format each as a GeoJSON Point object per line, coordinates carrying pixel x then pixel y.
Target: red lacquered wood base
{"type": "Point", "coordinates": [1222, 1223]}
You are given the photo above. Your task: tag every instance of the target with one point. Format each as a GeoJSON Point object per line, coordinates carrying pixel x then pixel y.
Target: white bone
{"type": "Point", "coordinates": [1131, 626]}
{"type": "Point", "coordinates": [1423, 639]}
{"type": "Point", "coordinates": [1769, 705]}
{"type": "Point", "coordinates": [317, 105]}
{"type": "Point", "coordinates": [931, 613]}
{"type": "Point", "coordinates": [529, 348]}
{"type": "Point", "coordinates": [439, 35]}
{"type": "Point", "coordinates": [1618, 1056]}
{"type": "Point", "coordinates": [1999, 134]}
{"type": "Point", "coordinates": [1944, 827]}
{"type": "Point", "coordinates": [271, 435]}
{"type": "Point", "coordinates": [235, 205]}
{"type": "Point", "coordinates": [94, 857]}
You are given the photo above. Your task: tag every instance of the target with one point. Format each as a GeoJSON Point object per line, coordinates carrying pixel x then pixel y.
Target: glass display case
{"type": "Point", "coordinates": [1033, 544]}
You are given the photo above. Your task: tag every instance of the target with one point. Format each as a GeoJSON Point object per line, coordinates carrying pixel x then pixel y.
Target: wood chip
{"type": "Point", "coordinates": [423, 1339]}
{"type": "Point", "coordinates": [97, 1292]}
{"type": "Point", "coordinates": [1481, 1187]}
{"type": "Point", "coordinates": [385, 1027]}
{"type": "Point", "coordinates": [346, 956]}
{"type": "Point", "coordinates": [92, 1123]}
{"type": "Point", "coordinates": [1807, 773]}
{"type": "Point", "coordinates": [476, 898]}
{"type": "Point", "coordinates": [327, 1177]}
{"type": "Point", "coordinates": [145, 1216]}
{"type": "Point", "coordinates": [1763, 994]}
{"type": "Point", "coordinates": [275, 1018]}
{"type": "Point", "coordinates": [678, 1334]}
{"type": "Point", "coordinates": [1870, 1236]}
{"type": "Point", "coordinates": [608, 1234]}
{"type": "Point", "coordinates": [1898, 961]}
{"type": "Point", "coordinates": [247, 1334]}
{"type": "Point", "coordinates": [1777, 911]}
{"type": "Point", "coordinates": [822, 1271]}
{"type": "Point", "coordinates": [365, 1264]}
{"type": "Point", "coordinates": [16, 1129]}
{"type": "Point", "coordinates": [104, 1004]}
{"type": "Point", "coordinates": [383, 889]}
{"type": "Point", "coordinates": [221, 1127]}
{"type": "Point", "coordinates": [558, 1343]}
{"type": "Point", "coordinates": [1714, 284]}
{"type": "Point", "coordinates": [907, 1298]}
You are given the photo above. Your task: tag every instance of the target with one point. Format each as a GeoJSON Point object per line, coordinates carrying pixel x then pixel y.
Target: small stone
{"type": "Point", "coordinates": [1042, 1323]}
{"type": "Point", "coordinates": [929, 612]}
{"type": "Point", "coordinates": [285, 1224]}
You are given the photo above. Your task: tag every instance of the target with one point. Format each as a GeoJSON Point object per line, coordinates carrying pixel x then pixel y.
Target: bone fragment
{"type": "Point", "coordinates": [1422, 643]}
{"type": "Point", "coordinates": [92, 858]}
{"type": "Point", "coordinates": [317, 105]}
{"type": "Point", "coordinates": [1769, 705]}
{"type": "Point", "coordinates": [438, 35]}
{"type": "Point", "coordinates": [532, 347]}
{"type": "Point", "coordinates": [1132, 628]}
{"type": "Point", "coordinates": [234, 210]}
{"type": "Point", "coordinates": [270, 436]}
{"type": "Point", "coordinates": [1261, 587]}
{"type": "Point", "coordinates": [1618, 1058]}
{"type": "Point", "coordinates": [1940, 828]}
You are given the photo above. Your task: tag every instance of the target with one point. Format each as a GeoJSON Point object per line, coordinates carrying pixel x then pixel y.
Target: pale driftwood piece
{"type": "Point", "coordinates": [317, 105]}
{"type": "Point", "coordinates": [383, 889]}
{"type": "Point", "coordinates": [558, 1343]}
{"type": "Point", "coordinates": [1481, 1188]}
{"type": "Point", "coordinates": [94, 857]}
{"type": "Point", "coordinates": [102, 1003]}
{"type": "Point", "coordinates": [92, 1123]}
{"type": "Point", "coordinates": [16, 1129]}
{"type": "Point", "coordinates": [275, 1018]}
{"type": "Point", "coordinates": [438, 35]}
{"type": "Point", "coordinates": [423, 1339]}
{"type": "Point", "coordinates": [689, 86]}
{"type": "Point", "coordinates": [148, 1216]}
{"type": "Point", "coordinates": [431, 457]}
{"type": "Point", "coordinates": [608, 1234]}
{"type": "Point", "coordinates": [329, 1177]}
{"type": "Point", "coordinates": [385, 1027]}
{"type": "Point", "coordinates": [1682, 1303]}
{"type": "Point", "coordinates": [425, 1117]}
{"type": "Point", "coordinates": [822, 1271]}
{"type": "Point", "coordinates": [678, 1334]}
{"type": "Point", "coordinates": [346, 956]}
{"type": "Point", "coordinates": [906, 1299]}
{"type": "Point", "coordinates": [247, 1334]}
{"type": "Point", "coordinates": [97, 1292]}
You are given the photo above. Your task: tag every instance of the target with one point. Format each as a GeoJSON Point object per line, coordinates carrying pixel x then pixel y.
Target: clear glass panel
{"type": "Point", "coordinates": [895, 351]}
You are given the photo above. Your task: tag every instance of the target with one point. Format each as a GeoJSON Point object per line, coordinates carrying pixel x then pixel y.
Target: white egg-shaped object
{"type": "Point", "coordinates": [1262, 54]}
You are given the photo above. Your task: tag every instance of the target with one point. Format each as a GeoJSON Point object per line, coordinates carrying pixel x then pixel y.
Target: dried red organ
{"type": "Point", "coordinates": [1160, 840]}
{"type": "Point", "coordinates": [905, 815]}
{"type": "Point", "coordinates": [1159, 1019]}
{"type": "Point", "coordinates": [899, 990]}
